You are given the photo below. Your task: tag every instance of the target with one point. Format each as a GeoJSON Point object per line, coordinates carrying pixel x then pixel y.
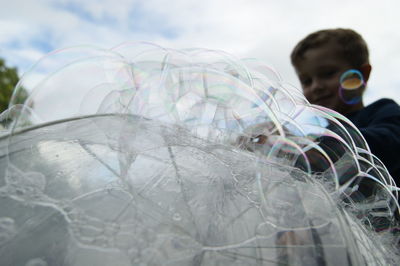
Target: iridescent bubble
{"type": "Point", "coordinates": [351, 87]}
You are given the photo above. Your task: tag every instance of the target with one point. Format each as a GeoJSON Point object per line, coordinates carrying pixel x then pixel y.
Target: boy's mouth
{"type": "Point", "coordinates": [322, 99]}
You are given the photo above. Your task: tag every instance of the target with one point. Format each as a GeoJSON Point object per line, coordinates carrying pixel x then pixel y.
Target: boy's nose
{"type": "Point", "coordinates": [316, 85]}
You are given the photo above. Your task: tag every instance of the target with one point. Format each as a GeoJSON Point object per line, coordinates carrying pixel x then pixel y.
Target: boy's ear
{"type": "Point", "coordinates": [366, 70]}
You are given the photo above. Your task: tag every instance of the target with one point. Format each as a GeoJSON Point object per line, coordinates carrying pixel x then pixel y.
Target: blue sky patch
{"type": "Point", "coordinates": [144, 21]}
{"type": "Point", "coordinates": [43, 42]}
{"type": "Point", "coordinates": [85, 15]}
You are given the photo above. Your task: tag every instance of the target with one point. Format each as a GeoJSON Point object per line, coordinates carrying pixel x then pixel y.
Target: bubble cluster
{"type": "Point", "coordinates": [141, 154]}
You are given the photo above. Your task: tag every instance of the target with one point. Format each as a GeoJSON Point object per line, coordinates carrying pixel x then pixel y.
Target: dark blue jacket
{"type": "Point", "coordinates": [379, 123]}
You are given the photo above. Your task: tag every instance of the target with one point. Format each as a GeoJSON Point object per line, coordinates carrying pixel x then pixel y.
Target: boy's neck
{"type": "Point", "coordinates": [354, 108]}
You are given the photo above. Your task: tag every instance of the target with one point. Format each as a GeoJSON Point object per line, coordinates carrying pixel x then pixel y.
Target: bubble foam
{"type": "Point", "coordinates": [146, 155]}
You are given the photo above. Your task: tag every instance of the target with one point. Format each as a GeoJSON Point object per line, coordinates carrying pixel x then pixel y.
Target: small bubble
{"type": "Point", "coordinates": [19, 191]}
{"type": "Point", "coordinates": [67, 209]}
{"type": "Point", "coordinates": [6, 222]}
{"type": "Point", "coordinates": [351, 86]}
{"type": "Point", "coordinates": [176, 217]}
{"type": "Point", "coordinates": [7, 229]}
{"type": "Point", "coordinates": [3, 192]}
{"type": "Point", "coordinates": [59, 174]}
{"type": "Point", "coordinates": [36, 262]}
{"type": "Point", "coordinates": [36, 180]}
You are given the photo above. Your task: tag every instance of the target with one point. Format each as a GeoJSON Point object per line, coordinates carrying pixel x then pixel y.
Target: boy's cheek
{"type": "Point", "coordinates": [308, 96]}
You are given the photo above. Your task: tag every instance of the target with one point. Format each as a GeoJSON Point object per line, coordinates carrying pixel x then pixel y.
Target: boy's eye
{"type": "Point", "coordinates": [328, 74]}
{"type": "Point", "coordinates": [305, 82]}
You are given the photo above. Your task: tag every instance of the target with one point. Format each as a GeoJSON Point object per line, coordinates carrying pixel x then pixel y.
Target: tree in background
{"type": "Point", "coordinates": [8, 79]}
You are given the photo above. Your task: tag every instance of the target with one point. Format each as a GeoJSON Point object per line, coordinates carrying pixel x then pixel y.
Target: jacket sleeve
{"type": "Point", "coordinates": [383, 138]}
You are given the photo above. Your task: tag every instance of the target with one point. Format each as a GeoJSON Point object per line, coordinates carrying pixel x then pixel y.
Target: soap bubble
{"type": "Point", "coordinates": [351, 87]}
{"type": "Point", "coordinates": [7, 230]}
{"type": "Point", "coordinates": [36, 262]}
{"type": "Point", "coordinates": [144, 155]}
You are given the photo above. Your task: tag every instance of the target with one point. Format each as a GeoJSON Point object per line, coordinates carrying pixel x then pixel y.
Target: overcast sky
{"type": "Point", "coordinates": [263, 29]}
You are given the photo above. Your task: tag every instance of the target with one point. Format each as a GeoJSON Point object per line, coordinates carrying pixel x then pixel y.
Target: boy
{"type": "Point", "coordinates": [320, 59]}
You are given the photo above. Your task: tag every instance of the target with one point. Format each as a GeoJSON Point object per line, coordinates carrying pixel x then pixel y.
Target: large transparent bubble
{"type": "Point", "coordinates": [143, 155]}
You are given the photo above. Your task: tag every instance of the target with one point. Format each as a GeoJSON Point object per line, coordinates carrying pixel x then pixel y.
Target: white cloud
{"type": "Point", "coordinates": [267, 30]}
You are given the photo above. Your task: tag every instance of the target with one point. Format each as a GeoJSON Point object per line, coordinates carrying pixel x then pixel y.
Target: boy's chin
{"type": "Point", "coordinates": [339, 107]}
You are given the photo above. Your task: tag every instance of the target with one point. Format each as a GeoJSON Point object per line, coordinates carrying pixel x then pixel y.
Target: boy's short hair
{"type": "Point", "coordinates": [354, 48]}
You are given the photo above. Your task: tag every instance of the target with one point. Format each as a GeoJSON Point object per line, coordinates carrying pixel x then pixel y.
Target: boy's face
{"type": "Point", "coordinates": [319, 72]}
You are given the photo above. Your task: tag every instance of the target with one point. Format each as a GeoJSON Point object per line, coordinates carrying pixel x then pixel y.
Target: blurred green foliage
{"type": "Point", "coordinates": [8, 79]}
